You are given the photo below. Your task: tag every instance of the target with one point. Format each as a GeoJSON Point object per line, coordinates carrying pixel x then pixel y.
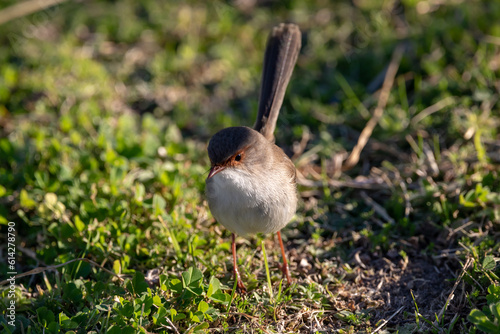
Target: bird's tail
{"type": "Point", "coordinates": [282, 50]}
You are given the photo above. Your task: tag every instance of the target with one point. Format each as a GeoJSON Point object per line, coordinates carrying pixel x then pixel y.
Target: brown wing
{"type": "Point", "coordinates": [287, 163]}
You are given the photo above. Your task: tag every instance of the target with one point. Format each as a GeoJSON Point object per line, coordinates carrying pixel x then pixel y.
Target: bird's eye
{"type": "Point", "coordinates": [237, 158]}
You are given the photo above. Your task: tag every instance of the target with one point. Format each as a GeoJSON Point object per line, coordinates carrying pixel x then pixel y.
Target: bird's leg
{"type": "Point", "coordinates": [284, 268]}
{"type": "Point", "coordinates": [240, 285]}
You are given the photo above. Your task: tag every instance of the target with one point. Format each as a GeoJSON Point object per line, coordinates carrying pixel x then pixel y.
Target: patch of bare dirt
{"type": "Point", "coordinates": [394, 282]}
{"type": "Point", "coordinates": [379, 285]}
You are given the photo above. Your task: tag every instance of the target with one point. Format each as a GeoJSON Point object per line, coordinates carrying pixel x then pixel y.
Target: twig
{"type": "Point", "coordinates": [43, 269]}
{"type": "Point", "coordinates": [172, 324]}
{"type": "Point", "coordinates": [353, 158]}
{"type": "Point", "coordinates": [432, 109]}
{"type": "Point", "coordinates": [299, 148]}
{"type": "Point", "coordinates": [470, 276]}
{"type": "Point", "coordinates": [358, 260]}
{"type": "Point", "coordinates": [386, 321]}
{"type": "Point", "coordinates": [372, 183]}
{"type": "Point", "coordinates": [462, 225]}
{"type": "Point", "coordinates": [429, 154]}
{"type": "Point", "coordinates": [406, 196]}
{"type": "Point", "coordinates": [378, 208]}
{"type": "Point", "coordinates": [450, 296]}
{"type": "Point", "coordinates": [313, 316]}
{"type": "Point", "coordinates": [25, 8]}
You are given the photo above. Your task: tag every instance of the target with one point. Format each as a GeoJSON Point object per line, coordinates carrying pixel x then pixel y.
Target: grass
{"type": "Point", "coordinates": [105, 112]}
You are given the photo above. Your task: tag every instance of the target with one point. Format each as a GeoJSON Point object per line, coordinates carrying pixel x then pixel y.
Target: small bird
{"type": "Point", "coordinates": [251, 186]}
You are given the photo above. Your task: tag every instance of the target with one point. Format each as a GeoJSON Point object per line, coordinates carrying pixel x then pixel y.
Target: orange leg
{"type": "Point", "coordinates": [284, 268]}
{"type": "Point", "coordinates": [240, 285]}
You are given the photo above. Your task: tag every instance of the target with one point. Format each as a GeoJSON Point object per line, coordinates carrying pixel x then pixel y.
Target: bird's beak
{"type": "Point", "coordinates": [214, 170]}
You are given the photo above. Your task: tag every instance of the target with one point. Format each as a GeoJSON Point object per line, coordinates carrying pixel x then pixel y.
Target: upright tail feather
{"type": "Point", "coordinates": [282, 50]}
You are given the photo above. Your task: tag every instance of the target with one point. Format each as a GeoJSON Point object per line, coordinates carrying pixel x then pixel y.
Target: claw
{"type": "Point", "coordinates": [240, 286]}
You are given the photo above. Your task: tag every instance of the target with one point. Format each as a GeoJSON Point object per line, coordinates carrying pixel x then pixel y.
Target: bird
{"type": "Point", "coordinates": [251, 185]}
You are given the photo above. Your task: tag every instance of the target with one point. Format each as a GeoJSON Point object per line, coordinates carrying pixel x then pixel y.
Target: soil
{"type": "Point", "coordinates": [381, 287]}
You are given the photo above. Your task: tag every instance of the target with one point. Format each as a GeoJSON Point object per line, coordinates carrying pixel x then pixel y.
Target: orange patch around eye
{"type": "Point", "coordinates": [234, 160]}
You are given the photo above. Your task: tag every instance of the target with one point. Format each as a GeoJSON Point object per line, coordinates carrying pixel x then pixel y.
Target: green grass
{"type": "Point", "coordinates": [106, 109]}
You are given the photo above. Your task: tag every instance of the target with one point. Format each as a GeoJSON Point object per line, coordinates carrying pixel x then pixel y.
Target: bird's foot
{"type": "Point", "coordinates": [240, 287]}
{"type": "Point", "coordinates": [286, 273]}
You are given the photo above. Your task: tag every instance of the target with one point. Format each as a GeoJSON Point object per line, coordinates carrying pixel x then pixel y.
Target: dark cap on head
{"type": "Point", "coordinates": [225, 143]}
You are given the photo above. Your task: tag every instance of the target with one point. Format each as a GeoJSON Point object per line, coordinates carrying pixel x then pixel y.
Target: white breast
{"type": "Point", "coordinates": [246, 204]}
